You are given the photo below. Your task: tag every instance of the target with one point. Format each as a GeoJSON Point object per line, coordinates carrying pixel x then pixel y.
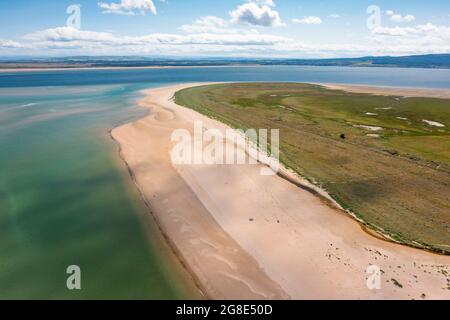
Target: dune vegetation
{"type": "Point", "coordinates": [385, 158]}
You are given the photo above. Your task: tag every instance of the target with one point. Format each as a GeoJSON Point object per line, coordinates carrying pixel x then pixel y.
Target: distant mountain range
{"type": "Point", "coordinates": [417, 61]}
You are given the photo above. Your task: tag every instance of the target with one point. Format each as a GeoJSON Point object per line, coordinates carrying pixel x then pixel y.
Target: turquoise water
{"type": "Point", "coordinates": [66, 198]}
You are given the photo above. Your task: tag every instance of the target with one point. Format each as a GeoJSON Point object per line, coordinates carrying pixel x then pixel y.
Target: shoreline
{"type": "Point", "coordinates": [216, 262]}
{"type": "Point", "coordinates": [25, 70]}
{"type": "Point", "coordinates": [406, 92]}
{"type": "Point", "coordinates": [273, 277]}
{"type": "Point", "coordinates": [172, 247]}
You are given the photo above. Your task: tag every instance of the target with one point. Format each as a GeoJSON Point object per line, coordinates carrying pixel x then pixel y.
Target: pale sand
{"type": "Point", "coordinates": [391, 91]}
{"type": "Point", "coordinates": [246, 236]}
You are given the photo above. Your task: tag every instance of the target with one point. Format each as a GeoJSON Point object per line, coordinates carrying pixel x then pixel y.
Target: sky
{"type": "Point", "coordinates": [224, 28]}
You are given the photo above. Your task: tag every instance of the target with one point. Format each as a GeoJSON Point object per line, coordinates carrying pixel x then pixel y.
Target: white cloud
{"type": "Point", "coordinates": [257, 13]}
{"type": "Point", "coordinates": [10, 44]}
{"type": "Point", "coordinates": [428, 30]}
{"type": "Point", "coordinates": [425, 38]}
{"type": "Point", "coordinates": [68, 35]}
{"type": "Point", "coordinates": [421, 39]}
{"type": "Point", "coordinates": [308, 20]}
{"type": "Point", "coordinates": [330, 50]}
{"type": "Point", "coordinates": [399, 18]}
{"type": "Point", "coordinates": [129, 7]}
{"type": "Point", "coordinates": [72, 41]}
{"type": "Point", "coordinates": [213, 35]}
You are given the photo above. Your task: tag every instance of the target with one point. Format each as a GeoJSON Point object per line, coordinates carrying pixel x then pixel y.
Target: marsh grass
{"type": "Point", "coordinates": [397, 181]}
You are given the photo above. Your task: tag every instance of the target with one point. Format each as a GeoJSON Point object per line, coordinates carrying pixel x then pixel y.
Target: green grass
{"type": "Point", "coordinates": [398, 182]}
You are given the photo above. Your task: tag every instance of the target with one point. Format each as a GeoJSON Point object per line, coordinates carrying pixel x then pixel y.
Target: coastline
{"type": "Point", "coordinates": [390, 91]}
{"type": "Point", "coordinates": [240, 249]}
{"type": "Point", "coordinates": [25, 70]}
{"type": "Point", "coordinates": [221, 269]}
{"type": "Point", "coordinates": [171, 257]}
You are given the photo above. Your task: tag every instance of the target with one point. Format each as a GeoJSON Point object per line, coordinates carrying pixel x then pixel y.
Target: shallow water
{"type": "Point", "coordinates": [66, 198]}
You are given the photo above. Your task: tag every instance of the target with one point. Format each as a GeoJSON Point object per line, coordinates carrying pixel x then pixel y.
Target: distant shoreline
{"type": "Point", "coordinates": [237, 65]}
{"type": "Point", "coordinates": [12, 70]}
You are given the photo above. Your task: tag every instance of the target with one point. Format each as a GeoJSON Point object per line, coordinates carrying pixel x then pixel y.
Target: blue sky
{"type": "Point", "coordinates": [263, 28]}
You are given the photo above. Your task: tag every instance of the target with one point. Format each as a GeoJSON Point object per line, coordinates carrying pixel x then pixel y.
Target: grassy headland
{"type": "Point", "coordinates": [386, 158]}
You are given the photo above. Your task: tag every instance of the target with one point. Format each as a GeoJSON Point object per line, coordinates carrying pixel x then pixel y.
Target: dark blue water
{"type": "Point", "coordinates": [399, 77]}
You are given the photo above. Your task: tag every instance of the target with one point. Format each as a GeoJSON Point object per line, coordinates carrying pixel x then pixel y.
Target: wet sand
{"type": "Point", "coordinates": [247, 236]}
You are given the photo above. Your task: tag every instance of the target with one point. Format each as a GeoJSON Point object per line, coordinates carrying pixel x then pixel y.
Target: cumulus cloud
{"type": "Point", "coordinates": [73, 41]}
{"type": "Point", "coordinates": [10, 44]}
{"type": "Point", "coordinates": [253, 12]}
{"type": "Point", "coordinates": [211, 35]}
{"type": "Point", "coordinates": [357, 50]}
{"type": "Point", "coordinates": [257, 13]}
{"type": "Point", "coordinates": [425, 38]}
{"type": "Point", "coordinates": [429, 30]}
{"type": "Point", "coordinates": [129, 7]}
{"type": "Point", "coordinates": [68, 35]}
{"type": "Point", "coordinates": [308, 20]}
{"type": "Point", "coordinates": [399, 18]}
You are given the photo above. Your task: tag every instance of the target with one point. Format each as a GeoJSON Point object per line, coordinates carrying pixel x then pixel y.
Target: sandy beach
{"type": "Point", "coordinates": [246, 236]}
{"type": "Point", "coordinates": [391, 91]}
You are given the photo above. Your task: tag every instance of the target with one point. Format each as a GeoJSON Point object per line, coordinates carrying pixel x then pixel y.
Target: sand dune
{"type": "Point", "coordinates": [248, 236]}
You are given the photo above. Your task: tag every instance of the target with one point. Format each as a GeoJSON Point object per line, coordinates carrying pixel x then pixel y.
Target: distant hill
{"type": "Point", "coordinates": [417, 61]}
{"type": "Point", "coordinates": [421, 61]}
